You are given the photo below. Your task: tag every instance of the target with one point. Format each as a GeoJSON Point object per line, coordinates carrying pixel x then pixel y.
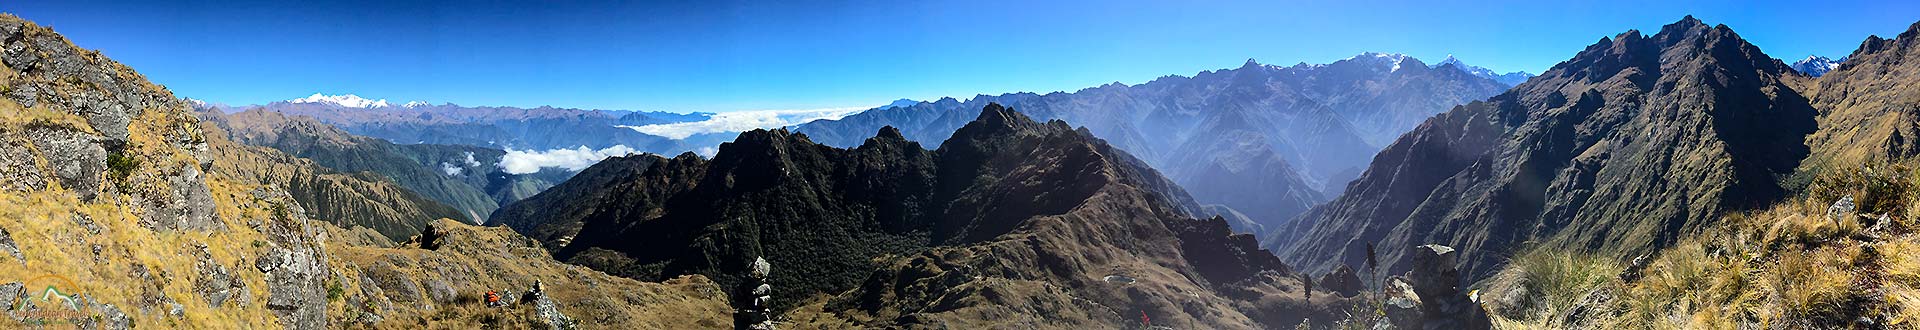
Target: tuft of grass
{"type": "Point", "coordinates": [1810, 289]}
{"type": "Point", "coordinates": [1556, 280]}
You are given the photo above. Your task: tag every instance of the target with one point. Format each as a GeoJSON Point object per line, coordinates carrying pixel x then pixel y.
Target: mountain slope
{"type": "Point", "coordinates": [1008, 218]}
{"type": "Point", "coordinates": [119, 210]}
{"type": "Point", "coordinates": [1870, 107]}
{"type": "Point", "coordinates": [1632, 142]}
{"type": "Point", "coordinates": [464, 177]}
{"type": "Point", "coordinates": [1323, 121]}
{"type": "Point", "coordinates": [347, 200]}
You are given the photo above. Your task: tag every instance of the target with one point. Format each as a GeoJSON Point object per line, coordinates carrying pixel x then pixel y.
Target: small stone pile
{"type": "Point", "coordinates": [755, 312]}
{"type": "Point", "coordinates": [1436, 279]}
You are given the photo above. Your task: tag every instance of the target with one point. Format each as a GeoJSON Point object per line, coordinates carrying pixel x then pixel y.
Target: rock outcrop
{"type": "Point", "coordinates": [1343, 281]}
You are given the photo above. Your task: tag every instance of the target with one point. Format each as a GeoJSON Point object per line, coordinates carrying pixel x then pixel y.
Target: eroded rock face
{"type": "Point", "coordinates": [17, 169]}
{"type": "Point", "coordinates": [295, 265]}
{"type": "Point", "coordinates": [187, 206]}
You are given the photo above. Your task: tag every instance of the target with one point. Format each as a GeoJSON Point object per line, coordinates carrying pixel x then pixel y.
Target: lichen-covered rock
{"type": "Point", "coordinates": [17, 169]}
{"type": "Point", "coordinates": [214, 282]}
{"type": "Point", "coordinates": [295, 265]}
{"type": "Point", "coordinates": [110, 317]}
{"type": "Point", "coordinates": [7, 244]}
{"type": "Point", "coordinates": [75, 156]}
{"type": "Point", "coordinates": [10, 293]}
{"type": "Point", "coordinates": [187, 204]}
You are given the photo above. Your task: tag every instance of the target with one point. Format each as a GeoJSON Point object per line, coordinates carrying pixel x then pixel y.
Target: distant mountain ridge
{"type": "Point", "coordinates": [540, 128]}
{"type": "Point", "coordinates": [1010, 223]}
{"type": "Point", "coordinates": [1266, 141]}
{"type": "Point", "coordinates": [1621, 149]}
{"type": "Point", "coordinates": [465, 177]}
{"type": "Point", "coordinates": [1509, 79]}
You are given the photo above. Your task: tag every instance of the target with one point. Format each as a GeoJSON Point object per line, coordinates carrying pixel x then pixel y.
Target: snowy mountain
{"type": "Point", "coordinates": [1815, 65]}
{"type": "Point", "coordinates": [1510, 78]}
{"type": "Point", "coordinates": [348, 100]}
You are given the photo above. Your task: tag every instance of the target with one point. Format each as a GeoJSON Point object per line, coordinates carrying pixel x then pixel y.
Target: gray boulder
{"type": "Point", "coordinates": [76, 157]}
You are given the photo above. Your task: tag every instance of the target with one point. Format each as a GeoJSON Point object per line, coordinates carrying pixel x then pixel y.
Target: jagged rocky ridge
{"type": "Point", "coordinates": [1266, 141]}
{"type": "Point", "coordinates": [1623, 148]}
{"type": "Point", "coordinates": [1010, 223]}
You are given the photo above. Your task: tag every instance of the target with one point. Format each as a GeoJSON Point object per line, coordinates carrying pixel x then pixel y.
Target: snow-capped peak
{"type": "Point", "coordinates": [1395, 58]}
{"type": "Point", "coordinates": [348, 100]}
{"type": "Point", "coordinates": [415, 104]}
{"type": "Point", "coordinates": [1815, 65]}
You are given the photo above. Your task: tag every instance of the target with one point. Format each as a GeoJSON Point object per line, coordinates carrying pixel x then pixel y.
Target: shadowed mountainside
{"type": "Point", "coordinates": [1621, 149]}
{"type": "Point", "coordinates": [1010, 223]}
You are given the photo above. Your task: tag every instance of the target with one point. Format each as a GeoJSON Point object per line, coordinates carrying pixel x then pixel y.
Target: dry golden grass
{"type": "Point", "coordinates": [1788, 266]}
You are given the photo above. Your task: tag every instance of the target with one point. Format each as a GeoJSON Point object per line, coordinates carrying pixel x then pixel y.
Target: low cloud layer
{"type": "Point", "coordinates": [730, 122]}
{"type": "Point", "coordinates": [529, 161]}
{"type": "Point", "coordinates": [455, 169]}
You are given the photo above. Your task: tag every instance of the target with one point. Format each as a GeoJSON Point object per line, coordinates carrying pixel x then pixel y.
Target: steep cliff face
{"type": "Point", "coordinates": [1006, 221]}
{"type": "Point", "coordinates": [1622, 148]}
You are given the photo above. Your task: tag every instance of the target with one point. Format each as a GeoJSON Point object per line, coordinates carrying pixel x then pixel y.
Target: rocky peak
{"type": "Point", "coordinates": [1549, 161]}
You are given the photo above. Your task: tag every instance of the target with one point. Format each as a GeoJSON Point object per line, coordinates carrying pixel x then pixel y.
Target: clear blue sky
{"type": "Point", "coordinates": [722, 55]}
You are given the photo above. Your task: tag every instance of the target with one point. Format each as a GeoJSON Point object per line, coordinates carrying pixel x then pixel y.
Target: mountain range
{"type": "Point", "coordinates": [468, 178]}
{"type": "Point", "coordinates": [1008, 218]}
{"type": "Point", "coordinates": [1262, 141]}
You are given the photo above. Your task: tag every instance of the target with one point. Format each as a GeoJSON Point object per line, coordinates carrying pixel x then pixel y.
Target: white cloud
{"type": "Point", "coordinates": [470, 161]}
{"type": "Point", "coordinates": [529, 161]}
{"type": "Point", "coordinates": [706, 151]}
{"type": "Point", "coordinates": [730, 122]}
{"type": "Point", "coordinates": [450, 168]}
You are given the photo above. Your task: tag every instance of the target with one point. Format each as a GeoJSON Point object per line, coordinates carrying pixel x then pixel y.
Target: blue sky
{"type": "Point", "coordinates": [726, 55]}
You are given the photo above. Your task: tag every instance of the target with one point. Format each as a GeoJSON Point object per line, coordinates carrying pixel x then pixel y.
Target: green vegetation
{"type": "Point", "coordinates": [120, 165]}
{"type": "Point", "coordinates": [334, 291]}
